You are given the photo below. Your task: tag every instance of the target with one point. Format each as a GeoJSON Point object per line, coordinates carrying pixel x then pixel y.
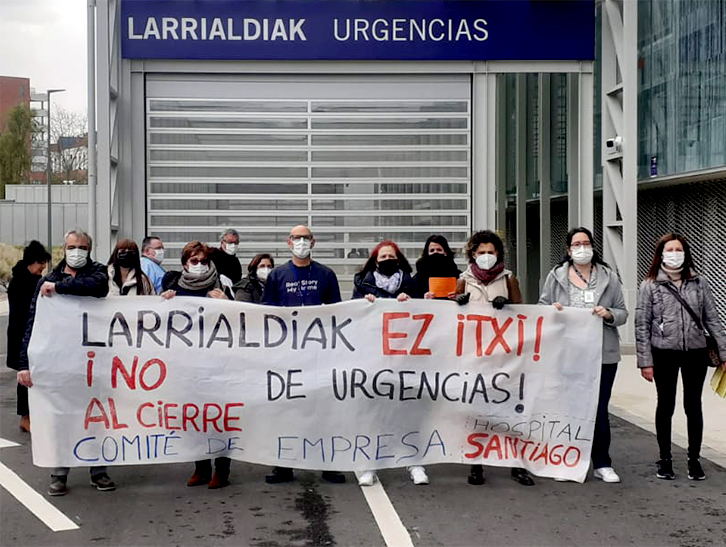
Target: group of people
{"type": "Point", "coordinates": [676, 312]}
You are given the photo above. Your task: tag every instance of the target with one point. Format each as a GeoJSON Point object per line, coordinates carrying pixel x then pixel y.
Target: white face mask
{"type": "Point", "coordinates": [158, 256]}
{"type": "Point", "coordinates": [230, 248]}
{"type": "Point", "coordinates": [486, 261]}
{"type": "Point", "coordinates": [673, 259]}
{"type": "Point", "coordinates": [263, 272]}
{"type": "Point", "coordinates": [581, 255]}
{"type": "Point", "coordinates": [301, 248]}
{"type": "Point", "coordinates": [198, 269]}
{"type": "Point", "coordinates": [76, 258]}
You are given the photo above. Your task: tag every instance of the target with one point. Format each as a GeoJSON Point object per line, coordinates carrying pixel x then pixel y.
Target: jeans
{"type": "Point", "coordinates": [63, 471]}
{"type": "Point", "coordinates": [693, 365]}
{"type": "Point", "coordinates": [601, 437]}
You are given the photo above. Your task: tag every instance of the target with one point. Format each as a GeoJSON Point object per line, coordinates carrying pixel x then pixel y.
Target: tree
{"type": "Point", "coordinates": [15, 147]}
{"type": "Point", "coordinates": [69, 133]}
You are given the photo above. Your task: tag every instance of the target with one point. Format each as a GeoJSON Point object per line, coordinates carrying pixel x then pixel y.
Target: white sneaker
{"type": "Point", "coordinates": [607, 474]}
{"type": "Point", "coordinates": [418, 474]}
{"type": "Point", "coordinates": [367, 478]}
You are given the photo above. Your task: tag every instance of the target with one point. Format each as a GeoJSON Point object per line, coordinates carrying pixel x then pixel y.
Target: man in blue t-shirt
{"type": "Point", "coordinates": [301, 282]}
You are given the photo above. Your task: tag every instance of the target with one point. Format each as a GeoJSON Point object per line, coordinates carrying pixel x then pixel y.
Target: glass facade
{"type": "Point", "coordinates": [557, 136]}
{"type": "Point", "coordinates": [682, 86]}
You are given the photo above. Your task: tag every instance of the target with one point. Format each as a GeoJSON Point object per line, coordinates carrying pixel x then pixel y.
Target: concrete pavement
{"type": "Point", "coordinates": [152, 505]}
{"type": "Point", "coordinates": [634, 400]}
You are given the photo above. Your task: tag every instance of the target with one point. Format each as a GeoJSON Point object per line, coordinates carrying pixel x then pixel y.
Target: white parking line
{"type": "Point", "coordinates": [32, 500]}
{"type": "Point", "coordinates": [389, 523]}
{"type": "Point", "coordinates": [4, 443]}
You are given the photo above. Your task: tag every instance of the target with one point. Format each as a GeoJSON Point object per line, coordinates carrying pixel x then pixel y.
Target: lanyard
{"type": "Point", "coordinates": [586, 281]}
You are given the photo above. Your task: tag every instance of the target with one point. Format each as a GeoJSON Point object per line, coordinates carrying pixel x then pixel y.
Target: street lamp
{"type": "Point", "coordinates": [49, 169]}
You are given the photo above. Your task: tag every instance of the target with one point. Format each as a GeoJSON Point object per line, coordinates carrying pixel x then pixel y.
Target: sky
{"type": "Point", "coordinates": [45, 40]}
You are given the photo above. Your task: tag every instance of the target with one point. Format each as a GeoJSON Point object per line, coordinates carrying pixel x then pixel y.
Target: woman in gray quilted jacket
{"type": "Point", "coordinates": [583, 280]}
{"type": "Point", "coordinates": [669, 339]}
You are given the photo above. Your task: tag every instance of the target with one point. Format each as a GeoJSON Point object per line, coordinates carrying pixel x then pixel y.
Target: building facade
{"type": "Point", "coordinates": [208, 120]}
{"type": "Point", "coordinates": [395, 133]}
{"type": "Point", "coordinates": [13, 91]}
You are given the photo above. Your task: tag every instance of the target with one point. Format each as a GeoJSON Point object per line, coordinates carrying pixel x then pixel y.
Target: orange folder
{"type": "Point", "coordinates": [442, 286]}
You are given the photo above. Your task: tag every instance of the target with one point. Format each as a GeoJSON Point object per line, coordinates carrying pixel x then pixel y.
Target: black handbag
{"type": "Point", "coordinates": [711, 345]}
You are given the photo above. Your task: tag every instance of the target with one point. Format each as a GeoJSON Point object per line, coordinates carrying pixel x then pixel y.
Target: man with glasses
{"type": "Point", "coordinates": [76, 275]}
{"type": "Point", "coordinates": [301, 282]}
{"type": "Point", "coordinates": [225, 257]}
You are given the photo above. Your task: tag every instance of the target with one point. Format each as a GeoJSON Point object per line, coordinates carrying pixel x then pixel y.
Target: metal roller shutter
{"type": "Point", "coordinates": [357, 159]}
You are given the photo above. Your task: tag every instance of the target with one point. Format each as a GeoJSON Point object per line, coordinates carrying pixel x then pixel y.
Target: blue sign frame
{"type": "Point", "coordinates": [413, 30]}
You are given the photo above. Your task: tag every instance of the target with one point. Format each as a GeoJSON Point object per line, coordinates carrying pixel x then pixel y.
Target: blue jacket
{"type": "Point", "coordinates": [154, 272]}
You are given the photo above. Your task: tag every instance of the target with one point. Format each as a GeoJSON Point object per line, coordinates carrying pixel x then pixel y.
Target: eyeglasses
{"type": "Point", "coordinates": [299, 238]}
{"type": "Point", "coordinates": [195, 261]}
{"type": "Point", "coordinates": [578, 244]}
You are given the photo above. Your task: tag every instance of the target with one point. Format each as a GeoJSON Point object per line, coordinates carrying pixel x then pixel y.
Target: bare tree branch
{"type": "Point", "coordinates": [69, 132]}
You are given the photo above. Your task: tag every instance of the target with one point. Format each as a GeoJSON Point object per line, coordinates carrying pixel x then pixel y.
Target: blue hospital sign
{"type": "Point", "coordinates": [359, 30]}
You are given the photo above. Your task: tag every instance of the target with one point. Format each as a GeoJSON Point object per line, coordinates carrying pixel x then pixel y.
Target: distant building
{"type": "Point", "coordinates": [13, 91]}
{"type": "Point", "coordinates": [70, 159]}
{"type": "Point", "coordinates": [39, 141]}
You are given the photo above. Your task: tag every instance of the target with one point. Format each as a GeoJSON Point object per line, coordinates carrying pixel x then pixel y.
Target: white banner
{"type": "Point", "coordinates": [352, 386]}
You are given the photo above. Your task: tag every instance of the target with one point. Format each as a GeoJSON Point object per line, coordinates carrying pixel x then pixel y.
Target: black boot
{"type": "Point", "coordinates": [476, 475]}
{"type": "Point", "coordinates": [522, 476]}
{"type": "Point", "coordinates": [202, 473]}
{"type": "Point", "coordinates": [334, 477]}
{"type": "Point", "coordinates": [279, 475]}
{"type": "Point", "coordinates": [220, 477]}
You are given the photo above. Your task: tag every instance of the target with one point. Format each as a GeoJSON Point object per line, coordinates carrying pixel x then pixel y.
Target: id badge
{"type": "Point", "coordinates": [589, 297]}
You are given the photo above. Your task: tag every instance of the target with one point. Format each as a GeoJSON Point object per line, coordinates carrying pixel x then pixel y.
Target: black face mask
{"type": "Point", "coordinates": [126, 258]}
{"type": "Point", "coordinates": [388, 267]}
{"type": "Point", "coordinates": [437, 258]}
{"type": "Point", "coordinates": [439, 265]}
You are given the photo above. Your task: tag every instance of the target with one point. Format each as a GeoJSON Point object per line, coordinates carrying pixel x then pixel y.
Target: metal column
{"type": "Point", "coordinates": [619, 119]}
{"type": "Point", "coordinates": [580, 207]}
{"type": "Point", "coordinates": [107, 58]}
{"type": "Point", "coordinates": [482, 206]}
{"type": "Point", "coordinates": [485, 153]}
{"type": "Point", "coordinates": [545, 184]}
{"type": "Point", "coordinates": [499, 120]}
{"type": "Point", "coordinates": [521, 181]}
